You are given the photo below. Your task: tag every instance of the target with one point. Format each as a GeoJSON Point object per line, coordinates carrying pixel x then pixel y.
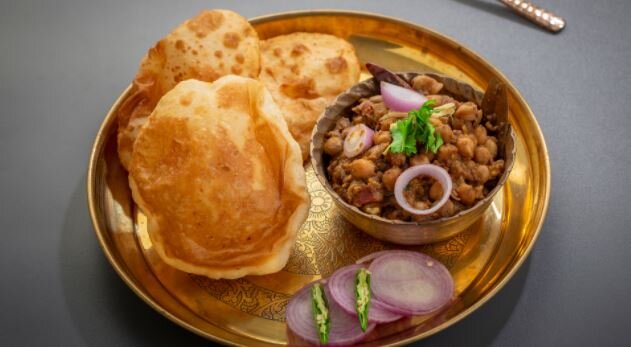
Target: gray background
{"type": "Point", "coordinates": [63, 63]}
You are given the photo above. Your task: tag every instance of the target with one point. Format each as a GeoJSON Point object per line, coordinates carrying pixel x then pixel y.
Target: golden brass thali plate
{"type": "Point", "coordinates": [251, 311]}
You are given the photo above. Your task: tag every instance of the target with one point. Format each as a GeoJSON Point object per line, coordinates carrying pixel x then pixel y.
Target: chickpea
{"type": "Point", "coordinates": [438, 99]}
{"type": "Point", "coordinates": [457, 123]}
{"type": "Point", "coordinates": [362, 168]}
{"type": "Point", "coordinates": [347, 179]}
{"type": "Point", "coordinates": [435, 121]}
{"type": "Point", "coordinates": [480, 134]}
{"type": "Point", "coordinates": [333, 146]}
{"type": "Point", "coordinates": [409, 195]}
{"type": "Point", "coordinates": [353, 189]}
{"type": "Point", "coordinates": [426, 84]}
{"type": "Point", "coordinates": [373, 153]}
{"type": "Point", "coordinates": [466, 194]}
{"type": "Point", "coordinates": [379, 109]}
{"type": "Point", "coordinates": [467, 111]}
{"type": "Point", "coordinates": [415, 187]}
{"type": "Point", "coordinates": [382, 137]}
{"type": "Point", "coordinates": [457, 169]}
{"type": "Point", "coordinates": [396, 159]}
{"type": "Point", "coordinates": [481, 174]}
{"type": "Point", "coordinates": [338, 174]}
{"type": "Point", "coordinates": [346, 165]}
{"type": "Point", "coordinates": [491, 145]}
{"type": "Point", "coordinates": [375, 182]}
{"type": "Point", "coordinates": [420, 205]}
{"type": "Point", "coordinates": [436, 191]}
{"type": "Point", "coordinates": [333, 133]}
{"type": "Point", "coordinates": [479, 191]}
{"type": "Point", "coordinates": [448, 209]}
{"type": "Point", "coordinates": [390, 177]}
{"type": "Point", "coordinates": [419, 159]}
{"type": "Point", "coordinates": [469, 166]}
{"type": "Point", "coordinates": [467, 128]}
{"type": "Point", "coordinates": [445, 132]}
{"type": "Point", "coordinates": [373, 209]}
{"type": "Point", "coordinates": [446, 152]}
{"type": "Point", "coordinates": [385, 124]}
{"type": "Point", "coordinates": [482, 155]}
{"type": "Point", "coordinates": [496, 168]}
{"type": "Point", "coordinates": [342, 123]}
{"type": "Point", "coordinates": [472, 136]}
{"type": "Point", "coordinates": [465, 147]}
{"type": "Point", "coordinates": [377, 195]}
{"type": "Point", "coordinates": [422, 150]}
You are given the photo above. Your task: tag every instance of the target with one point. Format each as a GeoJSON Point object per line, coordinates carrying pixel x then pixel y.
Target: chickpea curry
{"type": "Point", "coordinates": [371, 146]}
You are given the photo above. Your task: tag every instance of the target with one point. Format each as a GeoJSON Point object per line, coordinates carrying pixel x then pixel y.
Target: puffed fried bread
{"type": "Point", "coordinates": [305, 72]}
{"type": "Point", "coordinates": [210, 45]}
{"type": "Point", "coordinates": [220, 179]}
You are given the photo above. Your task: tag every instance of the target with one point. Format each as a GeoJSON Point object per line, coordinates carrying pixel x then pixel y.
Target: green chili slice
{"type": "Point", "coordinates": [320, 309]}
{"type": "Point", "coordinates": [362, 295]}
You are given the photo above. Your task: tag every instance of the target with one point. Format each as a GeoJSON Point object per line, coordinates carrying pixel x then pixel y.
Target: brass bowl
{"type": "Point", "coordinates": [423, 232]}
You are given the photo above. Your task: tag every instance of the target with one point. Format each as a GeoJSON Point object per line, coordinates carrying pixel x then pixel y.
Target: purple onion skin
{"type": "Point", "coordinates": [396, 99]}
{"type": "Point", "coordinates": [431, 270]}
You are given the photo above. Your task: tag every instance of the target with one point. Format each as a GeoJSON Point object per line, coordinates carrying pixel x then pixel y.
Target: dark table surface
{"type": "Point", "coordinates": [63, 63]}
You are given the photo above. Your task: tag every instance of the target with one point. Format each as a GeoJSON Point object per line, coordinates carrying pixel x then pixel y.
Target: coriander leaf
{"type": "Point", "coordinates": [403, 139]}
{"type": "Point", "coordinates": [416, 127]}
{"type": "Point", "coordinates": [439, 142]}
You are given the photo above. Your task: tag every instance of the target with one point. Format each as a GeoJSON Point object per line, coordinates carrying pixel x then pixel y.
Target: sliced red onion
{"type": "Point", "coordinates": [358, 140]}
{"type": "Point", "coordinates": [345, 329]}
{"type": "Point", "coordinates": [342, 288]}
{"type": "Point", "coordinates": [434, 171]}
{"type": "Point", "coordinates": [401, 99]}
{"type": "Point", "coordinates": [411, 283]}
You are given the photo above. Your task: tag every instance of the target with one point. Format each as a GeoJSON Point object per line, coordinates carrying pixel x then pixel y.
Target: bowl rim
{"type": "Point", "coordinates": [378, 219]}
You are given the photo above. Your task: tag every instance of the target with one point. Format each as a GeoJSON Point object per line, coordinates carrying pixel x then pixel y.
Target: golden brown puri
{"type": "Point", "coordinates": [305, 72]}
{"type": "Point", "coordinates": [212, 44]}
{"type": "Point", "coordinates": [220, 179]}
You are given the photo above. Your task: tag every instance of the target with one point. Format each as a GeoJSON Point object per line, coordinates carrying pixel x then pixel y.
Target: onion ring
{"type": "Point", "coordinates": [358, 140]}
{"type": "Point", "coordinates": [434, 171]}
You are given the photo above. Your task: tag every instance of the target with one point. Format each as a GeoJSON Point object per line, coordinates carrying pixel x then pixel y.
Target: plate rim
{"type": "Point", "coordinates": [99, 143]}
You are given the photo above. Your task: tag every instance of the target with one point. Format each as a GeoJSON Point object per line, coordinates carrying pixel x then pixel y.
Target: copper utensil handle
{"type": "Point", "coordinates": [536, 14]}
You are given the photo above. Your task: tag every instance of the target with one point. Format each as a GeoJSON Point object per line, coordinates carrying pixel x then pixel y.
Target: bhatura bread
{"type": "Point", "coordinates": [220, 179]}
{"type": "Point", "coordinates": [210, 45]}
{"type": "Point", "coordinates": [305, 72]}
